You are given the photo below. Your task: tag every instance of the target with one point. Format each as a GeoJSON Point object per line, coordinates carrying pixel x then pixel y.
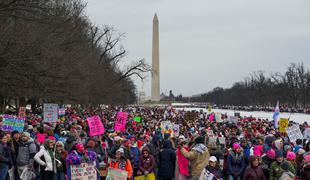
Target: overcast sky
{"type": "Point", "coordinates": [204, 43]}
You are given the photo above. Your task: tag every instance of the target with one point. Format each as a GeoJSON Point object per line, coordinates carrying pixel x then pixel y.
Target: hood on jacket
{"type": "Point", "coordinates": [146, 149]}
{"type": "Point", "coordinates": [167, 144]}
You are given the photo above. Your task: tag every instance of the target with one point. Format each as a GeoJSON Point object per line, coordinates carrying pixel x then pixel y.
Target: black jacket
{"type": "Point", "coordinates": [167, 159]}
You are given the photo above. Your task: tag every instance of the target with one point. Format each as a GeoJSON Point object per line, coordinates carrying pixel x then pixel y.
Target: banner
{"type": "Point", "coordinates": [22, 111]}
{"type": "Point", "coordinates": [95, 126]}
{"type": "Point", "coordinates": [83, 171]}
{"type": "Point", "coordinates": [294, 133]}
{"type": "Point", "coordinates": [116, 174]}
{"type": "Point", "coordinates": [13, 123]}
{"type": "Point", "coordinates": [120, 124]}
{"type": "Point", "coordinates": [283, 124]}
{"type": "Point", "coordinates": [50, 112]}
{"type": "Point", "coordinates": [137, 119]}
{"type": "Point", "coordinates": [233, 119]}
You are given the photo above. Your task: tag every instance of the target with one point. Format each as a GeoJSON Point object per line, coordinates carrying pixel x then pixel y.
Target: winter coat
{"type": "Point", "coordinates": [246, 154]}
{"type": "Point", "coordinates": [26, 152]}
{"type": "Point", "coordinates": [70, 142]}
{"type": "Point", "coordinates": [134, 157]}
{"type": "Point", "coordinates": [276, 170]}
{"type": "Point", "coordinates": [48, 162]}
{"type": "Point", "coordinates": [167, 159]}
{"type": "Point", "coordinates": [305, 173]}
{"type": "Point", "coordinates": [251, 173]}
{"type": "Point", "coordinates": [146, 164]}
{"type": "Point", "coordinates": [266, 165]}
{"type": "Point", "coordinates": [124, 165]}
{"type": "Point", "coordinates": [5, 155]}
{"type": "Point", "coordinates": [183, 163]}
{"type": "Point", "coordinates": [235, 163]}
{"type": "Point", "coordinates": [198, 159]}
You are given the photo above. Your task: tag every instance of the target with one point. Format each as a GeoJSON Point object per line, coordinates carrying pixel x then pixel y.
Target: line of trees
{"type": "Point", "coordinates": [291, 88]}
{"type": "Point", "coordinates": [51, 52]}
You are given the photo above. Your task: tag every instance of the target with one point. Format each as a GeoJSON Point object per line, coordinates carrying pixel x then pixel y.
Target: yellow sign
{"type": "Point", "coordinates": [283, 124]}
{"type": "Point", "coordinates": [209, 109]}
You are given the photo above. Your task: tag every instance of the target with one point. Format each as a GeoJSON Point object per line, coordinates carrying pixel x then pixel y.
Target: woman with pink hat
{"type": "Point", "coordinates": [235, 163]}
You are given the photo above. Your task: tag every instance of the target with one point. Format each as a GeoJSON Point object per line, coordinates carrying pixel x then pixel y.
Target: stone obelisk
{"type": "Point", "coordinates": [155, 61]}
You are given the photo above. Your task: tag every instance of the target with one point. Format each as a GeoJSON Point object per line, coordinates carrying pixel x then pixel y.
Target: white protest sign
{"type": "Point", "coordinates": [176, 130]}
{"type": "Point", "coordinates": [294, 133]}
{"type": "Point", "coordinates": [222, 140]}
{"type": "Point", "coordinates": [307, 133]}
{"type": "Point", "coordinates": [50, 112]}
{"type": "Point", "coordinates": [233, 119]}
{"type": "Point", "coordinates": [83, 171]}
{"type": "Point", "coordinates": [218, 117]}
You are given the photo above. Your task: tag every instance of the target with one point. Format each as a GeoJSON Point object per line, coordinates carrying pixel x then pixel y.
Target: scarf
{"type": "Point", "coordinates": [199, 148]}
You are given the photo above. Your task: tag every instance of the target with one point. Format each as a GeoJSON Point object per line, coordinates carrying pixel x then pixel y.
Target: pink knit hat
{"type": "Point", "coordinates": [258, 150]}
{"type": "Point", "coordinates": [40, 138]}
{"type": "Point", "coordinates": [290, 156]}
{"type": "Point", "coordinates": [236, 146]}
{"type": "Point", "coordinates": [51, 138]}
{"type": "Point", "coordinates": [307, 158]}
{"type": "Point", "coordinates": [271, 154]}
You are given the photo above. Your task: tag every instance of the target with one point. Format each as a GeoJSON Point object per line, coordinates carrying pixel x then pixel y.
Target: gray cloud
{"type": "Point", "coordinates": [204, 43]}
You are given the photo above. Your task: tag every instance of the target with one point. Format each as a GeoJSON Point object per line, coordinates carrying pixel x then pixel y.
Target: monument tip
{"type": "Point", "coordinates": [155, 17]}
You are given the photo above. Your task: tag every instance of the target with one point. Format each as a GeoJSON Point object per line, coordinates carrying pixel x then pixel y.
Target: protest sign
{"type": "Point", "coordinates": [13, 123]}
{"type": "Point", "coordinates": [211, 117]}
{"type": "Point", "coordinates": [22, 111]}
{"type": "Point", "coordinates": [62, 111]}
{"type": "Point", "coordinates": [294, 133]}
{"type": "Point", "coordinates": [233, 119]}
{"type": "Point", "coordinates": [116, 174]}
{"type": "Point", "coordinates": [50, 112]}
{"type": "Point", "coordinates": [307, 133]}
{"type": "Point", "coordinates": [210, 133]}
{"type": "Point", "coordinates": [283, 124]}
{"type": "Point", "coordinates": [190, 116]}
{"type": "Point", "coordinates": [222, 140]}
{"type": "Point", "coordinates": [176, 130]}
{"type": "Point", "coordinates": [83, 171]}
{"type": "Point", "coordinates": [218, 117]}
{"type": "Point", "coordinates": [95, 126]}
{"type": "Point", "coordinates": [212, 140]}
{"type": "Point", "coordinates": [120, 124]}
{"type": "Point", "coordinates": [137, 119]}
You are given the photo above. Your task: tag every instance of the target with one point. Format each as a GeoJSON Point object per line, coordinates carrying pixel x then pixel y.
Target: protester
{"type": "Point", "coordinates": [286, 175]}
{"type": "Point", "coordinates": [182, 164]}
{"type": "Point", "coordinates": [26, 152]}
{"type": "Point", "coordinates": [167, 158]}
{"type": "Point", "coordinates": [235, 162]}
{"type": "Point", "coordinates": [49, 164]}
{"type": "Point", "coordinates": [276, 170]}
{"type": "Point", "coordinates": [147, 165]}
{"type": "Point", "coordinates": [60, 158]}
{"type": "Point", "coordinates": [120, 162]}
{"type": "Point", "coordinates": [5, 156]}
{"type": "Point", "coordinates": [212, 171]}
{"type": "Point", "coordinates": [254, 171]}
{"type": "Point", "coordinates": [305, 171]}
{"type": "Point", "coordinates": [198, 156]}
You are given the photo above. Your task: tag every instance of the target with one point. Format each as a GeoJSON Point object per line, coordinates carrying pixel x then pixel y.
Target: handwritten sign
{"type": "Point", "coordinates": [233, 119]}
{"type": "Point", "coordinates": [116, 174]}
{"type": "Point", "coordinates": [13, 123]}
{"type": "Point", "coordinates": [307, 133]}
{"type": "Point", "coordinates": [283, 124]}
{"type": "Point", "coordinates": [22, 111]}
{"type": "Point", "coordinates": [176, 130]}
{"type": "Point", "coordinates": [83, 171]}
{"type": "Point", "coordinates": [95, 126]}
{"type": "Point", "coordinates": [294, 133]}
{"type": "Point", "coordinates": [218, 117]}
{"type": "Point", "coordinates": [50, 112]}
{"type": "Point", "coordinates": [120, 124]}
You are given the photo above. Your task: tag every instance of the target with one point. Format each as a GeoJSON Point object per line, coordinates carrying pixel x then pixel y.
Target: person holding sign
{"type": "Point", "coordinates": [120, 162]}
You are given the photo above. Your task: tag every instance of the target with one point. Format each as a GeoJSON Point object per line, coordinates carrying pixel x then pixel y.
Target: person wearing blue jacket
{"type": "Point", "coordinates": [235, 163]}
{"type": "Point", "coordinates": [134, 156]}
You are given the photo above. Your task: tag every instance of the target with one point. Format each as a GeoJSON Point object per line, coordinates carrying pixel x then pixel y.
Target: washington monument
{"type": "Point", "coordinates": [155, 62]}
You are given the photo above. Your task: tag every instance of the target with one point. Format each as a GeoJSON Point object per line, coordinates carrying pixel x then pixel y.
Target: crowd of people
{"type": "Point", "coordinates": [203, 148]}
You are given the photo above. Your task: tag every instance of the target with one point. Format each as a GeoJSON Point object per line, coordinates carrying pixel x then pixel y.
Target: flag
{"type": "Point", "coordinates": [276, 115]}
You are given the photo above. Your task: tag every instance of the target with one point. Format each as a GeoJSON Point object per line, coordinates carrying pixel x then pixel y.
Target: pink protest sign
{"type": "Point", "coordinates": [95, 126]}
{"type": "Point", "coordinates": [121, 119]}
